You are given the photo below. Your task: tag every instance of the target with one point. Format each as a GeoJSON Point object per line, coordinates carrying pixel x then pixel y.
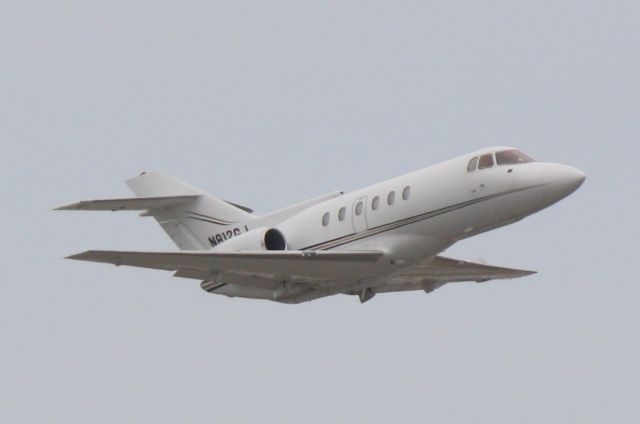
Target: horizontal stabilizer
{"type": "Point", "coordinates": [130, 204]}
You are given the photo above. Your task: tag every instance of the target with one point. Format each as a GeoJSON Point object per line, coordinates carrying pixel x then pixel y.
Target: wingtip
{"type": "Point", "coordinates": [79, 256]}
{"type": "Point", "coordinates": [68, 207]}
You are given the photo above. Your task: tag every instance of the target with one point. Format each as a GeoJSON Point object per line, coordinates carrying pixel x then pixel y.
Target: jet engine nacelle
{"type": "Point", "coordinates": [258, 239]}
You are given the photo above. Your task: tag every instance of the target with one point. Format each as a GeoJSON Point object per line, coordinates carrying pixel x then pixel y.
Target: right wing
{"type": "Point", "coordinates": [430, 275]}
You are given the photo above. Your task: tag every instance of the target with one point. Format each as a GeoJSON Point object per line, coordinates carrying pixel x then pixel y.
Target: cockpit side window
{"type": "Point", "coordinates": [473, 163]}
{"type": "Point", "coordinates": [486, 161]}
{"type": "Point", "coordinates": [512, 157]}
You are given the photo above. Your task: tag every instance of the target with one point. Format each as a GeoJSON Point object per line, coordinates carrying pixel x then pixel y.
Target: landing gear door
{"type": "Point", "coordinates": [359, 214]}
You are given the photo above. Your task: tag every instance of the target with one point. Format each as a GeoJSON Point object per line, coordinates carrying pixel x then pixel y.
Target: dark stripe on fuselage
{"type": "Point", "coordinates": [349, 238]}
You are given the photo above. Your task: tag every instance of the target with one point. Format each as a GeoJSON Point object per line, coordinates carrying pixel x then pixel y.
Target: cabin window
{"type": "Point", "coordinates": [359, 208]}
{"type": "Point", "coordinates": [391, 198]}
{"type": "Point", "coordinates": [406, 192]}
{"type": "Point", "coordinates": [375, 203]}
{"type": "Point", "coordinates": [473, 164]}
{"type": "Point", "coordinates": [342, 213]}
{"type": "Point", "coordinates": [325, 219]}
{"type": "Point", "coordinates": [486, 161]}
{"type": "Point", "coordinates": [512, 157]}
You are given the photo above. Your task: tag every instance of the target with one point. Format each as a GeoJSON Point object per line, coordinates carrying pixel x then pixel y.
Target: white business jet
{"type": "Point", "coordinates": [382, 238]}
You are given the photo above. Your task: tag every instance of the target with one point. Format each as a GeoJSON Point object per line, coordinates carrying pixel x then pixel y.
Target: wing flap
{"type": "Point", "coordinates": [128, 204]}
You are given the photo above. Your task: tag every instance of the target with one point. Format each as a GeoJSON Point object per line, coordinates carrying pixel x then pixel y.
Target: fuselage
{"type": "Point", "coordinates": [419, 214]}
{"type": "Point", "coordinates": [415, 216]}
{"type": "Point", "coordinates": [383, 238]}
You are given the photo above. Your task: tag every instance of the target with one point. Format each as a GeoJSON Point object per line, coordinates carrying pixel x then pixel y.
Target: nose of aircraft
{"type": "Point", "coordinates": [564, 180]}
{"type": "Point", "coordinates": [569, 178]}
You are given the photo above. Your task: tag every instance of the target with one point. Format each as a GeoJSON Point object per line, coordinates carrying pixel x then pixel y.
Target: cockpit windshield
{"type": "Point", "coordinates": [512, 157]}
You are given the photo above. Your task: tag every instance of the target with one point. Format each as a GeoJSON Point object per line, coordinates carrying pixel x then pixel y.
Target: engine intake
{"type": "Point", "coordinates": [274, 240]}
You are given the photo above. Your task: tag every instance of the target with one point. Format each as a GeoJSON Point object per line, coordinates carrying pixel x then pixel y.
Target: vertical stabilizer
{"type": "Point", "coordinates": [193, 225]}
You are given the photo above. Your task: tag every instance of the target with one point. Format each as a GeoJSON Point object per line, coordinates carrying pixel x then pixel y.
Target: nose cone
{"type": "Point", "coordinates": [561, 181]}
{"type": "Point", "coordinates": [546, 183]}
{"type": "Point", "coordinates": [568, 179]}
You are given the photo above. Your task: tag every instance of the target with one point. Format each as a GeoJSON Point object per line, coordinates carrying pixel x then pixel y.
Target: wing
{"type": "Point", "coordinates": [321, 269]}
{"type": "Point", "coordinates": [430, 275]}
{"type": "Point", "coordinates": [315, 273]}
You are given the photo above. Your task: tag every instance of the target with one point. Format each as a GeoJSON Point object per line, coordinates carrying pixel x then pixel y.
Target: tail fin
{"type": "Point", "coordinates": [198, 223]}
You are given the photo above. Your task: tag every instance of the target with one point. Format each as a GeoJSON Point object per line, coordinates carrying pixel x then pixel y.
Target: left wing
{"type": "Point", "coordinates": [322, 269]}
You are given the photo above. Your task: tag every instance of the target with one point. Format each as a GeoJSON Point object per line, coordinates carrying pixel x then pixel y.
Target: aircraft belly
{"type": "Point", "coordinates": [294, 287]}
{"type": "Point", "coordinates": [291, 295]}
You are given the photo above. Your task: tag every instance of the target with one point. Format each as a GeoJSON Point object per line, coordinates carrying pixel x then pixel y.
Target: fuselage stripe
{"type": "Point", "coordinates": [349, 238]}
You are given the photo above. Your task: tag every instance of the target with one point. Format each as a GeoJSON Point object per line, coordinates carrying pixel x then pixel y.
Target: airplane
{"type": "Point", "coordinates": [383, 238]}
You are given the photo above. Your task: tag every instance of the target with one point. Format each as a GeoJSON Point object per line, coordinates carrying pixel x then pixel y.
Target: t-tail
{"type": "Point", "coordinates": [193, 219]}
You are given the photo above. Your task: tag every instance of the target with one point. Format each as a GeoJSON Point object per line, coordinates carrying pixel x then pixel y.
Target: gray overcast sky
{"type": "Point", "coordinates": [268, 103]}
